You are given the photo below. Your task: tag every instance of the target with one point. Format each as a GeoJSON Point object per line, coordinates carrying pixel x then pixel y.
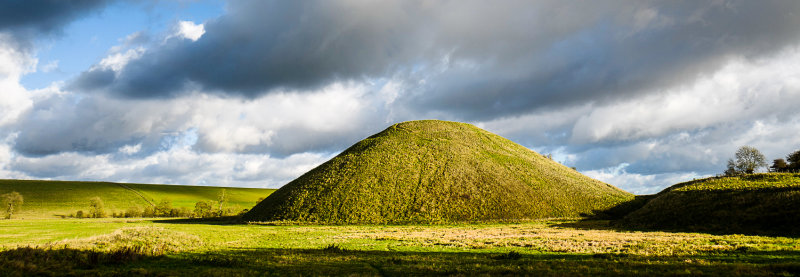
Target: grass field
{"type": "Point", "coordinates": [550, 248]}
{"type": "Point", "coordinates": [39, 243]}
{"type": "Point", "coordinates": [48, 199]}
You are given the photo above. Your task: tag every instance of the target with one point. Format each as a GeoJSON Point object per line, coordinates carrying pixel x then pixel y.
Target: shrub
{"type": "Point", "coordinates": [203, 209]}
{"type": "Point", "coordinates": [149, 211]}
{"type": "Point", "coordinates": [134, 211]}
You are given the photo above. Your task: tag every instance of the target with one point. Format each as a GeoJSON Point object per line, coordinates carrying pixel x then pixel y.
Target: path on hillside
{"type": "Point", "coordinates": [137, 193]}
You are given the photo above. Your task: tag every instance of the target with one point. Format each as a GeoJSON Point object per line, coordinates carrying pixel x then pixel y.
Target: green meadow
{"type": "Point", "coordinates": [53, 199]}
{"type": "Point", "coordinates": [744, 225]}
{"type": "Point", "coordinates": [223, 248]}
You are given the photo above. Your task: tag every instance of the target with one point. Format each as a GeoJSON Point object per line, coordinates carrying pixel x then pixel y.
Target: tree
{"type": "Point", "coordinates": [794, 161]}
{"type": "Point", "coordinates": [134, 211]}
{"type": "Point", "coordinates": [779, 165]}
{"type": "Point", "coordinates": [149, 211]}
{"type": "Point", "coordinates": [221, 200]}
{"type": "Point", "coordinates": [204, 209]}
{"type": "Point", "coordinates": [164, 208]}
{"type": "Point", "coordinates": [731, 170]}
{"type": "Point", "coordinates": [12, 201]}
{"type": "Point", "coordinates": [97, 208]}
{"type": "Point", "coordinates": [749, 159]}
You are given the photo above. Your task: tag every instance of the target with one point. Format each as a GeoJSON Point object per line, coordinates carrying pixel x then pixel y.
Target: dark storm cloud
{"type": "Point", "coordinates": [27, 18]}
{"type": "Point", "coordinates": [469, 59]}
{"type": "Point", "coordinates": [614, 57]}
{"type": "Point", "coordinates": [262, 45]}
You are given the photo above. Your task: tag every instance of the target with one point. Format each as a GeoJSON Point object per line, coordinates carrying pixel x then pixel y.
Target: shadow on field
{"type": "Point", "coordinates": [333, 260]}
{"type": "Point", "coordinates": [225, 220]}
{"type": "Point", "coordinates": [763, 212]}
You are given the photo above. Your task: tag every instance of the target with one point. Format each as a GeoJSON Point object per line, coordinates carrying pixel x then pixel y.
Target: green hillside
{"type": "Point", "coordinates": [436, 171]}
{"type": "Point", "coordinates": [767, 203]}
{"type": "Point", "coordinates": [45, 199]}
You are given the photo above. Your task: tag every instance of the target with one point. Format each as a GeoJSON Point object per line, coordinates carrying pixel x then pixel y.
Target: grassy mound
{"type": "Point", "coordinates": [766, 203]}
{"type": "Point", "coordinates": [43, 199]}
{"type": "Point", "coordinates": [435, 171]}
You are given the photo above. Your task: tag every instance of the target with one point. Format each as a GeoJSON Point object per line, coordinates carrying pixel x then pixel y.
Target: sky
{"type": "Point", "coordinates": [639, 94]}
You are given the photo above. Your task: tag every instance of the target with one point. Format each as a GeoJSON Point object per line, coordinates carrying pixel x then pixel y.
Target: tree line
{"type": "Point", "coordinates": [202, 209]}
{"type": "Point", "coordinates": [748, 159]}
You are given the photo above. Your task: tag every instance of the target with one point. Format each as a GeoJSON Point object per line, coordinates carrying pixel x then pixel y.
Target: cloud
{"type": "Point", "coordinates": [24, 19]}
{"type": "Point", "coordinates": [278, 124]}
{"type": "Point", "coordinates": [638, 183]}
{"type": "Point", "coordinates": [13, 64]}
{"type": "Point", "coordinates": [640, 95]}
{"type": "Point", "coordinates": [518, 58]}
{"type": "Point", "coordinates": [190, 30]}
{"type": "Point", "coordinates": [170, 166]}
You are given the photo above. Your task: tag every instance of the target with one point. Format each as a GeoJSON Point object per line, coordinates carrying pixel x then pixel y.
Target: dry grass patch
{"type": "Point", "coordinates": [543, 237]}
{"type": "Point", "coordinates": [146, 240]}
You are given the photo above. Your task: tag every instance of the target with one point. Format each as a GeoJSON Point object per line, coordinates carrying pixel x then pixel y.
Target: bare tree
{"type": "Point", "coordinates": [749, 159]}
{"type": "Point", "coordinates": [222, 199]}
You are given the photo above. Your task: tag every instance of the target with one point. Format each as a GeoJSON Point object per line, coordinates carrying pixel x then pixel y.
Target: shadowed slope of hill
{"type": "Point", "coordinates": [766, 203]}
{"type": "Point", "coordinates": [436, 171]}
{"type": "Point", "coordinates": [43, 199]}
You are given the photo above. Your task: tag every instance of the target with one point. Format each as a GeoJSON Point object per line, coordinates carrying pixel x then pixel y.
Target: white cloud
{"type": "Point", "coordinates": [226, 124]}
{"type": "Point", "coordinates": [117, 61]}
{"type": "Point", "coordinates": [14, 98]}
{"type": "Point", "coordinates": [741, 91]}
{"type": "Point", "coordinates": [199, 139]}
{"type": "Point", "coordinates": [172, 166]}
{"type": "Point", "coordinates": [130, 149]}
{"type": "Point", "coordinates": [190, 30]}
{"type": "Point", "coordinates": [638, 183]}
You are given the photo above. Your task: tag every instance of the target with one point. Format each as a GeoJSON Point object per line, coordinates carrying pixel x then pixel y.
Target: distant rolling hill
{"type": "Point", "coordinates": [47, 199]}
{"type": "Point", "coordinates": [432, 171]}
{"type": "Point", "coordinates": [767, 203]}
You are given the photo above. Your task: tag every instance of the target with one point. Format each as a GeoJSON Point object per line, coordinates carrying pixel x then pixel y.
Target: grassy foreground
{"type": "Point", "coordinates": [550, 248]}
{"type": "Point", "coordinates": [49, 199]}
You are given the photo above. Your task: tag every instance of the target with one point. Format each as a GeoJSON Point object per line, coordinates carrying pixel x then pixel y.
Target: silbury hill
{"type": "Point", "coordinates": [436, 172]}
{"type": "Point", "coordinates": [767, 203]}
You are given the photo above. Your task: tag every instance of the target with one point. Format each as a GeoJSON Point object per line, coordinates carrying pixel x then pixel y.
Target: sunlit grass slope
{"type": "Point", "coordinates": [436, 171]}
{"type": "Point", "coordinates": [766, 203]}
{"type": "Point", "coordinates": [43, 199]}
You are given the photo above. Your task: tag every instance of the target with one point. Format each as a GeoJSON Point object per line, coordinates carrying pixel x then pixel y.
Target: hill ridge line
{"type": "Point", "coordinates": [136, 192]}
